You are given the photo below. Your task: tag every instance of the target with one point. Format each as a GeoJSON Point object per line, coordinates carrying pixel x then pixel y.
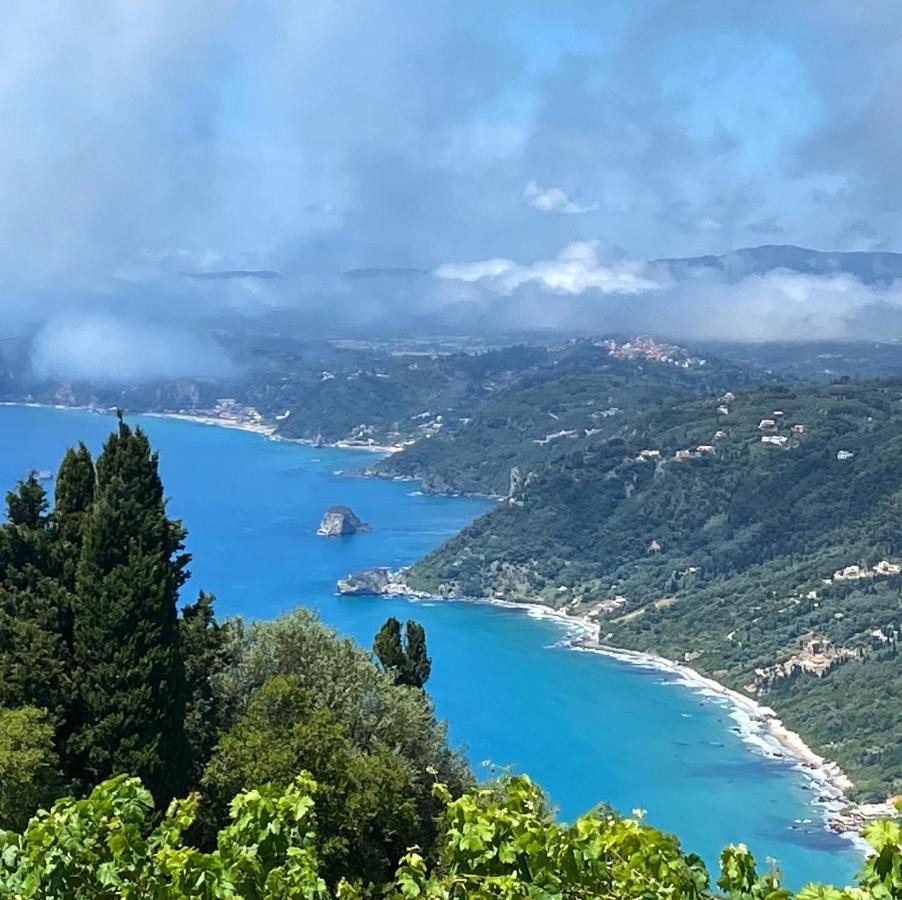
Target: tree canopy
{"type": "Point", "coordinates": [404, 656]}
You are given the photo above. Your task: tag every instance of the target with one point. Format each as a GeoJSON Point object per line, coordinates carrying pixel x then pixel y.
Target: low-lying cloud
{"type": "Point", "coordinates": [577, 291]}
{"type": "Point", "coordinates": [105, 348]}
{"type": "Point", "coordinates": [575, 269]}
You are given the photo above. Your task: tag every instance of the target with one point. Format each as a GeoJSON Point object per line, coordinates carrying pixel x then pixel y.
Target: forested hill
{"type": "Point", "coordinates": [712, 532]}
{"type": "Point", "coordinates": [581, 389]}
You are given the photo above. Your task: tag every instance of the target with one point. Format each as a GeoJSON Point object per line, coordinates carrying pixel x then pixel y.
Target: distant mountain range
{"type": "Point", "coordinates": [231, 274]}
{"type": "Point", "coordinates": [871, 267]}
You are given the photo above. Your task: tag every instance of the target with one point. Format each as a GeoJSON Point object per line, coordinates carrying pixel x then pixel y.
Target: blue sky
{"type": "Point", "coordinates": [143, 140]}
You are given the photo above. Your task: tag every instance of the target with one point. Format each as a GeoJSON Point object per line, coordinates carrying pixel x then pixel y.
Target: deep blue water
{"type": "Point", "coordinates": [588, 728]}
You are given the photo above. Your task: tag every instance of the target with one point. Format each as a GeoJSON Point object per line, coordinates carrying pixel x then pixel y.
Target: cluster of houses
{"type": "Point", "coordinates": [227, 409]}
{"type": "Point", "coordinates": [652, 350]}
{"type": "Point", "coordinates": [816, 656]}
{"type": "Point", "coordinates": [884, 569]}
{"type": "Point", "coordinates": [770, 425]}
{"type": "Point", "coordinates": [773, 423]}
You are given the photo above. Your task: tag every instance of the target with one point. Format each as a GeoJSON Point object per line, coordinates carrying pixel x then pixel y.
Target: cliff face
{"type": "Point", "coordinates": [339, 520]}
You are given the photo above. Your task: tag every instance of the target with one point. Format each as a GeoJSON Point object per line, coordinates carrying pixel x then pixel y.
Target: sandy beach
{"type": "Point", "coordinates": [220, 421]}
{"type": "Point", "coordinates": [758, 725]}
{"type": "Point", "coordinates": [268, 430]}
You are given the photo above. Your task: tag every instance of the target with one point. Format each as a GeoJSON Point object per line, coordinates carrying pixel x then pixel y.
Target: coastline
{"type": "Point", "coordinates": [758, 726]}
{"type": "Point", "coordinates": [269, 431]}
{"type": "Point", "coordinates": [260, 427]}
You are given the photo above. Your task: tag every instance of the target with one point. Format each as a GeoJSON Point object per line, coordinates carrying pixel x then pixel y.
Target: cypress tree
{"type": "Point", "coordinates": [24, 537]}
{"type": "Point", "coordinates": [126, 636]}
{"type": "Point", "coordinates": [35, 660]}
{"type": "Point", "coordinates": [207, 649]}
{"type": "Point", "coordinates": [417, 664]}
{"type": "Point", "coordinates": [406, 658]}
{"type": "Point", "coordinates": [387, 646]}
{"type": "Point", "coordinates": [75, 485]}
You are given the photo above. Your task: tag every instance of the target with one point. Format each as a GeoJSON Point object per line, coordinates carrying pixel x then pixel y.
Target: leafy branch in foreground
{"type": "Point", "coordinates": [498, 841]}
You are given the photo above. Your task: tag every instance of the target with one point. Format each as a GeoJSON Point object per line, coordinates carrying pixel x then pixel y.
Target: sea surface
{"type": "Point", "coordinates": [588, 728]}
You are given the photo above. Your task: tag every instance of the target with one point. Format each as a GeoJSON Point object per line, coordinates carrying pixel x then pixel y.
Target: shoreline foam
{"type": "Point", "coordinates": [759, 726]}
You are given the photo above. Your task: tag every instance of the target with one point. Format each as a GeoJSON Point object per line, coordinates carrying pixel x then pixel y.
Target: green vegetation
{"type": "Point", "coordinates": [88, 622]}
{"type": "Point", "coordinates": [725, 556]}
{"type": "Point", "coordinates": [498, 841]}
{"type": "Point", "coordinates": [306, 700]}
{"type": "Point", "coordinates": [29, 767]}
{"type": "Point", "coordinates": [101, 677]}
{"type": "Point", "coordinates": [125, 635]}
{"type": "Point", "coordinates": [405, 659]}
{"type": "Point", "coordinates": [307, 770]}
{"type": "Point", "coordinates": [472, 416]}
{"type": "Point", "coordinates": [581, 390]}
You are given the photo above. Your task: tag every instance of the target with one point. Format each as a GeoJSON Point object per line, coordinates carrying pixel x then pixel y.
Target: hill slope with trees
{"type": "Point", "coordinates": [753, 535]}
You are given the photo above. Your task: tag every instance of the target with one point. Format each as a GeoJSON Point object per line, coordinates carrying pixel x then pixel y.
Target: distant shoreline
{"type": "Point", "coordinates": [264, 429]}
{"type": "Point", "coordinates": [269, 431]}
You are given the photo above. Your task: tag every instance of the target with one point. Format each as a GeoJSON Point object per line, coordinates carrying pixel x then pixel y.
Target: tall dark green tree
{"type": "Point", "coordinates": [417, 664]}
{"type": "Point", "coordinates": [405, 656]}
{"type": "Point", "coordinates": [126, 637]}
{"type": "Point", "coordinates": [208, 649]}
{"type": "Point", "coordinates": [35, 660]}
{"type": "Point", "coordinates": [24, 540]}
{"type": "Point", "coordinates": [388, 647]}
{"type": "Point", "coordinates": [75, 487]}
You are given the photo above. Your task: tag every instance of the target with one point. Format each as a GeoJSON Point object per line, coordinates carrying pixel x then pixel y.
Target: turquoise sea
{"type": "Point", "coordinates": [588, 728]}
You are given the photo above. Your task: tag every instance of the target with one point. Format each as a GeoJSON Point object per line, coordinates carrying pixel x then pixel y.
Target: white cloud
{"type": "Point", "coordinates": [475, 271]}
{"type": "Point", "coordinates": [554, 200]}
{"type": "Point", "coordinates": [577, 268]}
{"type": "Point", "coordinates": [783, 305]}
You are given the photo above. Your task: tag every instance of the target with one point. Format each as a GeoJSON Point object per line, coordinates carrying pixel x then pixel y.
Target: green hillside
{"type": "Point", "coordinates": [710, 532]}
{"type": "Point", "coordinates": [583, 389]}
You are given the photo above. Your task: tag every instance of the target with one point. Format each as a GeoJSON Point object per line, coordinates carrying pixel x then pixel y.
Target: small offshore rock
{"type": "Point", "coordinates": [339, 520]}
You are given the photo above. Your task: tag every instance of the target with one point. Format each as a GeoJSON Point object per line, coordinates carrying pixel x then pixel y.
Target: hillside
{"type": "Point", "coordinates": [583, 390]}
{"type": "Point", "coordinates": [711, 532]}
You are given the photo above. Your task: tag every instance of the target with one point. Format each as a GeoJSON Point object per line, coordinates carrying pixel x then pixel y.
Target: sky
{"type": "Point", "coordinates": [526, 158]}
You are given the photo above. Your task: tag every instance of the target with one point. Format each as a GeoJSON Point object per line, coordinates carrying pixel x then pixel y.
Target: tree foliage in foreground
{"type": "Point", "coordinates": [404, 656]}
{"type": "Point", "coordinates": [29, 767]}
{"type": "Point", "coordinates": [89, 627]}
{"type": "Point", "coordinates": [499, 843]}
{"type": "Point", "coordinates": [305, 699]}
